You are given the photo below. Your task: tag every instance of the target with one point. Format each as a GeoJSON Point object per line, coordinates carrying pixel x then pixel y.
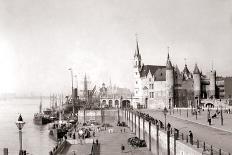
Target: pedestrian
{"type": "Point", "coordinates": [93, 133]}
{"type": "Point", "coordinates": [121, 130]}
{"type": "Point", "coordinates": [124, 130]}
{"type": "Point", "coordinates": [209, 120]}
{"type": "Point", "coordinates": [191, 137]}
{"type": "Point", "coordinates": [122, 148]}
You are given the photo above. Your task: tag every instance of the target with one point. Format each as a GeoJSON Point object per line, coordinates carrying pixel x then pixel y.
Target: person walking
{"type": "Point", "coordinates": [209, 120]}
{"type": "Point", "coordinates": [191, 137]}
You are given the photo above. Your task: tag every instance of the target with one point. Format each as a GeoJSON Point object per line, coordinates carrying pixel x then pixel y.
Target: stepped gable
{"type": "Point", "coordinates": [159, 72]}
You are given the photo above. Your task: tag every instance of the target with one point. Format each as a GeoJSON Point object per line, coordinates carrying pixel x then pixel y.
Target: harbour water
{"type": "Point", "coordinates": [35, 138]}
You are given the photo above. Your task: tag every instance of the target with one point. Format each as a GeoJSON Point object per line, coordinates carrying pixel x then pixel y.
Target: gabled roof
{"type": "Point", "coordinates": [158, 72]}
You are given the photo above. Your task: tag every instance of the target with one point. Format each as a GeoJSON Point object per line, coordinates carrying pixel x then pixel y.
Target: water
{"type": "Point", "coordinates": [35, 138]}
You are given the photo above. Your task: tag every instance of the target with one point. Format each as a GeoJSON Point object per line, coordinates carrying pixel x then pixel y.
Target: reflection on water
{"type": "Point", "coordinates": [35, 138]}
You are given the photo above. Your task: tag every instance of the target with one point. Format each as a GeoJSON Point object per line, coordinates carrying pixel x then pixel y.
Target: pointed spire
{"type": "Point", "coordinates": [196, 70]}
{"type": "Point", "coordinates": [169, 64]}
{"type": "Point", "coordinates": [137, 54]}
{"type": "Point", "coordinates": [168, 53]}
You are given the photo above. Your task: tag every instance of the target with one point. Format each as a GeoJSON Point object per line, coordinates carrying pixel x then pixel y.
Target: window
{"type": "Point", "coordinates": [136, 82]}
{"type": "Point", "coordinates": [149, 79]}
{"type": "Point", "coordinates": [151, 94]}
{"type": "Point", "coordinates": [136, 73]}
{"type": "Point", "coordinates": [151, 86]}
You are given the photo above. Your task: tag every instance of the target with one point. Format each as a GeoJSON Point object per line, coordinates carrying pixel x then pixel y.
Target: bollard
{"type": "Point", "coordinates": [211, 150]}
{"type": "Point", "coordinates": [197, 143]}
{"type": "Point", "coordinates": [5, 151]}
{"type": "Point", "coordinates": [204, 146]}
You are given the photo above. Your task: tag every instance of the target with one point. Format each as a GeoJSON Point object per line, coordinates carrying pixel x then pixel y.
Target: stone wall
{"type": "Point", "coordinates": [157, 143]}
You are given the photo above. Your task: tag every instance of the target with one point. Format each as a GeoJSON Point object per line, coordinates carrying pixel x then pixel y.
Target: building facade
{"type": "Point", "coordinates": [159, 86]}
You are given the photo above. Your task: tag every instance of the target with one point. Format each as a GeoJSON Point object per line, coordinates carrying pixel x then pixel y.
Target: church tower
{"type": "Point", "coordinates": [137, 65]}
{"type": "Point", "coordinates": [169, 84]}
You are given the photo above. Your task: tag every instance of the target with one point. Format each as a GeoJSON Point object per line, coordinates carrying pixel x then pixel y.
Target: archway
{"type": "Point", "coordinates": [125, 103]}
{"type": "Point", "coordinates": [210, 105]}
{"type": "Point", "coordinates": [116, 103]}
{"type": "Point", "coordinates": [110, 103]}
{"type": "Point", "coordinates": [103, 103]}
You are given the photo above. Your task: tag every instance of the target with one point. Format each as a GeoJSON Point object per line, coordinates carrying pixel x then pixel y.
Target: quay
{"type": "Point", "coordinates": [107, 141]}
{"type": "Point", "coordinates": [148, 125]}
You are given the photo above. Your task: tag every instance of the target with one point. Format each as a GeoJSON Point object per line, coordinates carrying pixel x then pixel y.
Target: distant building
{"type": "Point", "coordinates": [224, 87]}
{"type": "Point", "coordinates": [159, 86]}
{"type": "Point", "coordinates": [114, 96]}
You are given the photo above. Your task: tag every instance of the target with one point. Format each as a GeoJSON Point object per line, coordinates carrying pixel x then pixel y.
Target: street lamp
{"type": "Point", "coordinates": [165, 111]}
{"type": "Point", "coordinates": [72, 87]}
{"type": "Point", "coordinates": [20, 123]}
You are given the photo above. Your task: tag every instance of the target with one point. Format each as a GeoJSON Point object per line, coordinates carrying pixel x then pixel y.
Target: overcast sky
{"type": "Point", "coordinates": [41, 39]}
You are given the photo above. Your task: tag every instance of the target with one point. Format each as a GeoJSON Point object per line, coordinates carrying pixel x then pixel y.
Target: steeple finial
{"type": "Point", "coordinates": [168, 52]}
{"type": "Point", "coordinates": [137, 44]}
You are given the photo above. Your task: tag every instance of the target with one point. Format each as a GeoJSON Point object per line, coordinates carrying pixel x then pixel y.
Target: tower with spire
{"type": "Point", "coordinates": [137, 68]}
{"type": "Point", "coordinates": [169, 83]}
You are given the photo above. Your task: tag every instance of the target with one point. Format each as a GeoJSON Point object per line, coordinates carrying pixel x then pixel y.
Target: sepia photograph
{"type": "Point", "coordinates": [116, 77]}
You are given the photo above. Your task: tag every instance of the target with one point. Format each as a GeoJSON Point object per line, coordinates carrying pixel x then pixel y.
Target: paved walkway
{"type": "Point", "coordinates": [111, 143]}
{"type": "Point", "coordinates": [213, 136]}
{"type": "Point", "coordinates": [203, 116]}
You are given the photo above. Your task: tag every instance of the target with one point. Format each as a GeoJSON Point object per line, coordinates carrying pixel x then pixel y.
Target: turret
{"type": "Point", "coordinates": [212, 85]}
{"type": "Point", "coordinates": [169, 83]}
{"type": "Point", "coordinates": [197, 84]}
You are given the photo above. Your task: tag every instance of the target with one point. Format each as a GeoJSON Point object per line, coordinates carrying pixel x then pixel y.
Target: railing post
{"type": "Point", "coordinates": [149, 136]}
{"type": "Point", "coordinates": [143, 129]}
{"type": "Point", "coordinates": [168, 141]}
{"type": "Point", "coordinates": [135, 125]}
{"type": "Point", "coordinates": [175, 138]}
{"type": "Point", "coordinates": [139, 125]}
{"type": "Point", "coordinates": [132, 123]}
{"type": "Point", "coordinates": [197, 143]}
{"type": "Point", "coordinates": [157, 139]}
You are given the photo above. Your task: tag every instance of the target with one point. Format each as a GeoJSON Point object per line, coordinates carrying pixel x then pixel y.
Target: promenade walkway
{"type": "Point", "coordinates": [111, 143]}
{"type": "Point", "coordinates": [202, 118]}
{"type": "Point", "coordinates": [215, 136]}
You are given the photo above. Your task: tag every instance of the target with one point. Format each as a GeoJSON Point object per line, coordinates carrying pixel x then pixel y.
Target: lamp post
{"type": "Point", "coordinates": [165, 111]}
{"type": "Point", "coordinates": [20, 123]}
{"type": "Point", "coordinates": [71, 71]}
